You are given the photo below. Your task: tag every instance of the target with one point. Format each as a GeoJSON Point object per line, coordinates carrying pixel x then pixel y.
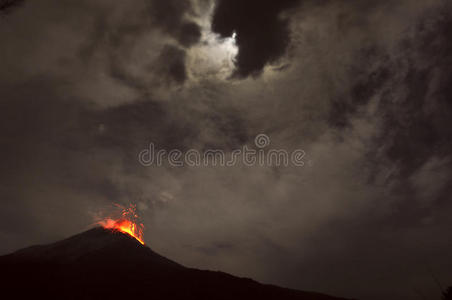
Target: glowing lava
{"type": "Point", "coordinates": [126, 223]}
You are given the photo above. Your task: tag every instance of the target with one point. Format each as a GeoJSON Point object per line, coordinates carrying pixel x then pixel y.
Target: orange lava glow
{"type": "Point", "coordinates": [126, 224]}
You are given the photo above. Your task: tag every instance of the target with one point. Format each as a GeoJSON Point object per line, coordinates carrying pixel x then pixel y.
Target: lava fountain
{"type": "Point", "coordinates": [127, 223]}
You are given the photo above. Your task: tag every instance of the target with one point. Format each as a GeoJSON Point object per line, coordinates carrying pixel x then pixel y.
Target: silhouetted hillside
{"type": "Point", "coordinates": [448, 294]}
{"type": "Point", "coordinates": [102, 264]}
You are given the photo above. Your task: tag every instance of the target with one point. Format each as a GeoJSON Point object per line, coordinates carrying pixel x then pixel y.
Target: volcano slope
{"type": "Point", "coordinates": [105, 264]}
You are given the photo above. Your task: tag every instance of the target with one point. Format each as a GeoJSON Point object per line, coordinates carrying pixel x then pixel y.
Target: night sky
{"type": "Point", "coordinates": [363, 87]}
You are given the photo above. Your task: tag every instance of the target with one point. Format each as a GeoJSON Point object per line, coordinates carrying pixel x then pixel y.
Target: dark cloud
{"type": "Point", "coordinates": [172, 62]}
{"type": "Point", "coordinates": [412, 90]}
{"type": "Point", "coordinates": [118, 37]}
{"type": "Point", "coordinates": [409, 91]}
{"type": "Point", "coordinates": [7, 5]}
{"type": "Point", "coordinates": [262, 32]}
{"type": "Point", "coordinates": [189, 34]}
{"type": "Point", "coordinates": [171, 17]}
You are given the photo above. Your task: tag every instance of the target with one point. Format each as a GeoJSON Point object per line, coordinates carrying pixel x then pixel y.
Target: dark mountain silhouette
{"type": "Point", "coordinates": [105, 264]}
{"type": "Point", "coordinates": [447, 295]}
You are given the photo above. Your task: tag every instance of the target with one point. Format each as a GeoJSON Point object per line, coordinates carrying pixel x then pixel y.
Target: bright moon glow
{"type": "Point", "coordinates": [213, 56]}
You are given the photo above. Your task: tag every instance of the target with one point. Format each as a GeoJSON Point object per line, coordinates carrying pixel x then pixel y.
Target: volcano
{"type": "Point", "coordinates": [105, 264]}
